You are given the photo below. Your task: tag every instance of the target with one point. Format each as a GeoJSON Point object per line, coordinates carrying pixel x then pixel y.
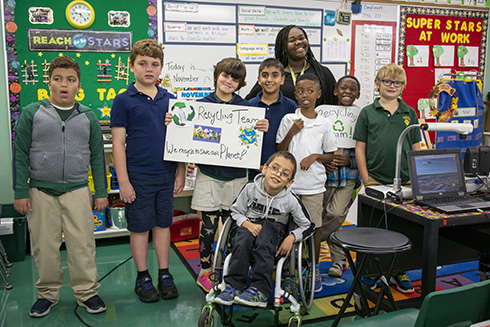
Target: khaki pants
{"type": "Point", "coordinates": [335, 211]}
{"type": "Point", "coordinates": [70, 213]}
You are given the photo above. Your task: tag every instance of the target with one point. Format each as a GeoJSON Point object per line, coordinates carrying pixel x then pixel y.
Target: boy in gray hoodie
{"type": "Point", "coordinates": [262, 212]}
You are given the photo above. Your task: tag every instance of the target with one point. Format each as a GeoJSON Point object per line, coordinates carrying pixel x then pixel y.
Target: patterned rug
{"type": "Point", "coordinates": [327, 303]}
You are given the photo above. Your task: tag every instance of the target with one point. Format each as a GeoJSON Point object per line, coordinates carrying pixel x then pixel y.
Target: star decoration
{"type": "Point", "coordinates": [78, 55]}
{"type": "Point", "coordinates": [87, 62]}
{"type": "Point", "coordinates": [105, 111]}
{"type": "Point", "coordinates": [39, 54]}
{"type": "Point", "coordinates": [60, 54]}
{"type": "Point", "coordinates": [113, 56]}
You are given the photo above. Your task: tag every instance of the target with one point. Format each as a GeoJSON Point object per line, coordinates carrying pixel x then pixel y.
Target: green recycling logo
{"type": "Point", "coordinates": [182, 114]}
{"type": "Point", "coordinates": [338, 126]}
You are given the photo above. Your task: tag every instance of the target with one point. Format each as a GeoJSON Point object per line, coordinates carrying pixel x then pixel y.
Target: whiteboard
{"type": "Point", "coordinates": [198, 34]}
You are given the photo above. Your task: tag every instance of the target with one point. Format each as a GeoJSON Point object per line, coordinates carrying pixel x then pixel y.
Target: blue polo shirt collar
{"type": "Point", "coordinates": [132, 91]}
{"type": "Point", "coordinates": [279, 100]}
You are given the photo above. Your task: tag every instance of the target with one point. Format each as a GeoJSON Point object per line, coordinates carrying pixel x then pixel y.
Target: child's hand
{"type": "Point", "coordinates": [252, 228]}
{"type": "Point", "coordinates": [340, 160]}
{"type": "Point", "coordinates": [101, 203]}
{"type": "Point", "coordinates": [168, 118]}
{"type": "Point", "coordinates": [296, 127]}
{"type": "Point", "coordinates": [22, 206]}
{"type": "Point", "coordinates": [179, 183]}
{"type": "Point", "coordinates": [308, 161]}
{"type": "Point", "coordinates": [329, 167]}
{"type": "Point", "coordinates": [126, 192]}
{"type": "Point", "coordinates": [286, 246]}
{"type": "Point", "coordinates": [262, 125]}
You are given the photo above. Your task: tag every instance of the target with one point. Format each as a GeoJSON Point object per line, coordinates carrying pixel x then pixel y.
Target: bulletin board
{"type": "Point", "coordinates": [437, 41]}
{"type": "Point", "coordinates": [38, 31]}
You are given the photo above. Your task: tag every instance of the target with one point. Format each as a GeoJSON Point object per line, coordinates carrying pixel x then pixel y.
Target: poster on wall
{"type": "Point", "coordinates": [431, 38]}
{"type": "Point", "coordinates": [216, 134]}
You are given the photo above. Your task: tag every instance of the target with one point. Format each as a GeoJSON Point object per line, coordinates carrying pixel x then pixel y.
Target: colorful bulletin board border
{"type": "Point", "coordinates": [406, 10]}
{"type": "Point", "coordinates": [438, 41]}
{"type": "Point", "coordinates": [34, 64]}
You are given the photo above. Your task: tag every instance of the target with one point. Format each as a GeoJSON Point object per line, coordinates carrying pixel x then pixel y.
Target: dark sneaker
{"type": "Point", "coordinates": [41, 308]}
{"type": "Point", "coordinates": [227, 297]}
{"type": "Point", "coordinates": [93, 305]}
{"type": "Point", "coordinates": [252, 297]}
{"type": "Point", "coordinates": [145, 290]}
{"type": "Point", "coordinates": [373, 282]}
{"type": "Point", "coordinates": [167, 288]}
{"type": "Point", "coordinates": [403, 283]}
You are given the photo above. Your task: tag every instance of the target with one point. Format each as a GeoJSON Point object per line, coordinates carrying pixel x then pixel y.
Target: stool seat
{"type": "Point", "coordinates": [371, 243]}
{"type": "Point", "coordinates": [371, 240]}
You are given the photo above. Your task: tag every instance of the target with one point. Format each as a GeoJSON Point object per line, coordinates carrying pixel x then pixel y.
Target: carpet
{"type": "Point", "coordinates": [327, 303]}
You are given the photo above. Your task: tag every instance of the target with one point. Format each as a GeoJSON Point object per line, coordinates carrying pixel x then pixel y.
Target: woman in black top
{"type": "Point", "coordinates": [293, 50]}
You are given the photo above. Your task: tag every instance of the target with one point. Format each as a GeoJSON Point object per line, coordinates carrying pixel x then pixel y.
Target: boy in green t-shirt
{"type": "Point", "coordinates": [377, 130]}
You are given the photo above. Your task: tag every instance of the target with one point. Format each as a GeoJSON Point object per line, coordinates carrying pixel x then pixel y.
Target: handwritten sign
{"type": "Point", "coordinates": [199, 33]}
{"type": "Point", "coordinates": [217, 134]}
{"type": "Point", "coordinates": [281, 16]}
{"type": "Point", "coordinates": [343, 122]}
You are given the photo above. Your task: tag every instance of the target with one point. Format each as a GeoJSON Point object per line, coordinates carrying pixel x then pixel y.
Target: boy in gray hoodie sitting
{"type": "Point", "coordinates": [262, 212]}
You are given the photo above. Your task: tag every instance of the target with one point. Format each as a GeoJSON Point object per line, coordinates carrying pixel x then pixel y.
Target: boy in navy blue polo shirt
{"type": "Point", "coordinates": [271, 77]}
{"type": "Point", "coordinates": [146, 181]}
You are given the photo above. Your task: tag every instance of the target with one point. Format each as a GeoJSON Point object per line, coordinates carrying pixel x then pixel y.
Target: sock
{"type": "Point", "coordinates": [162, 272]}
{"type": "Point", "coordinates": [203, 271]}
{"type": "Point", "coordinates": [143, 273]}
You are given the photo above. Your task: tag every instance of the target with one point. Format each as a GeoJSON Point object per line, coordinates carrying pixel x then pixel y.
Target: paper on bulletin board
{"type": "Point", "coordinates": [216, 134]}
{"type": "Point", "coordinates": [343, 121]}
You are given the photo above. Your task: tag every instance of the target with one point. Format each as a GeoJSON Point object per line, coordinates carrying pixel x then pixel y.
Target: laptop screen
{"type": "Point", "coordinates": [436, 172]}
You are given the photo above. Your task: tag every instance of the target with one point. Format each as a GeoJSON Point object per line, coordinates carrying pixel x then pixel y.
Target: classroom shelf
{"type": "Point", "coordinates": [111, 232]}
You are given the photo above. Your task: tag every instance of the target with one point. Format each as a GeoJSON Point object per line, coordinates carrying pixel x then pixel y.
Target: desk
{"type": "Point", "coordinates": [434, 235]}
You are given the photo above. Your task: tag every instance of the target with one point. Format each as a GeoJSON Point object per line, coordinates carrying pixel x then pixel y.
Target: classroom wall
{"type": "Point", "coordinates": [6, 193]}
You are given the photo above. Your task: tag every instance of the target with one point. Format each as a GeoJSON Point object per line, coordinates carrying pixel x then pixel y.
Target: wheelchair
{"type": "Point", "coordinates": [296, 273]}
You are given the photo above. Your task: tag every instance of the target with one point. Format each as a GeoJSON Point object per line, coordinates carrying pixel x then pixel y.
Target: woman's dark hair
{"type": "Point", "coordinates": [281, 54]}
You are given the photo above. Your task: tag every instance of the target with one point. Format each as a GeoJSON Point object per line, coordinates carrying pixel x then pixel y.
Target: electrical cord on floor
{"type": "Point", "coordinates": [100, 279]}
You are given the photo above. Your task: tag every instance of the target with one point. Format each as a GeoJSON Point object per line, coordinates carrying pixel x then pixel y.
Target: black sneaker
{"type": "Point", "coordinates": [93, 305]}
{"type": "Point", "coordinates": [145, 290]}
{"type": "Point", "coordinates": [167, 288]}
{"type": "Point", "coordinates": [41, 308]}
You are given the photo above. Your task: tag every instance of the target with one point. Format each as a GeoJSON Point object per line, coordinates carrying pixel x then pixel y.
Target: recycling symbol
{"type": "Point", "coordinates": [338, 126]}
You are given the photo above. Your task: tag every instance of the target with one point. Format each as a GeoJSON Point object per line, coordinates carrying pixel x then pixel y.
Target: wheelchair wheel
{"type": "Point", "coordinates": [223, 247]}
{"type": "Point", "coordinates": [206, 319]}
{"type": "Point", "coordinates": [306, 271]}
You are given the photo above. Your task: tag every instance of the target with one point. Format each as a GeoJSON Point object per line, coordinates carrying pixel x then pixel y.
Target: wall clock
{"type": "Point", "coordinates": [80, 14]}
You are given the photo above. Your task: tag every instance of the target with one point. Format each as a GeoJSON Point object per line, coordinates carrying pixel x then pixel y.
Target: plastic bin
{"type": "Point", "coordinates": [15, 244]}
{"type": "Point", "coordinates": [184, 230]}
{"type": "Point", "coordinates": [91, 181]}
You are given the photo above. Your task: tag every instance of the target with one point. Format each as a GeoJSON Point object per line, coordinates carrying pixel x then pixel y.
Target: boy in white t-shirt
{"type": "Point", "coordinates": [309, 137]}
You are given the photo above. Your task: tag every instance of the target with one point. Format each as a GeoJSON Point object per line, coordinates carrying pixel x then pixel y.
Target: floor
{"type": "Point", "coordinates": [123, 306]}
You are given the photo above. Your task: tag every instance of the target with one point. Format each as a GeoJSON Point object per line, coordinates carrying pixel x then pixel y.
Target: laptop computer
{"type": "Point", "coordinates": [437, 178]}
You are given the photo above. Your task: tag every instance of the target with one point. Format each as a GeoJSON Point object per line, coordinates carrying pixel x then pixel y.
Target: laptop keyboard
{"type": "Point", "coordinates": [449, 200]}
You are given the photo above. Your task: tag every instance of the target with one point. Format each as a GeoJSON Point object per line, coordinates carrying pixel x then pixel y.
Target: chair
{"type": "Point", "coordinates": [370, 243]}
{"type": "Point", "coordinates": [297, 275]}
{"type": "Point", "coordinates": [456, 307]}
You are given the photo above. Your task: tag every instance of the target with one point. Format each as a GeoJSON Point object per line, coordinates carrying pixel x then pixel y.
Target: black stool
{"type": "Point", "coordinates": [371, 242]}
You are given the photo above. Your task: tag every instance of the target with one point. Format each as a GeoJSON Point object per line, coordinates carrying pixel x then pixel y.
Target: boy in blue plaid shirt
{"type": "Point", "coordinates": [342, 179]}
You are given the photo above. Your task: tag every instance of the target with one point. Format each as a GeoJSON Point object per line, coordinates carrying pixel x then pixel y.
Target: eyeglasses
{"type": "Point", "coordinates": [387, 82]}
{"type": "Point", "coordinates": [284, 174]}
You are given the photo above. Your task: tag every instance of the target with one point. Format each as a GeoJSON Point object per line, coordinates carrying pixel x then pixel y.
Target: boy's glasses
{"type": "Point", "coordinates": [283, 174]}
{"type": "Point", "coordinates": [387, 82]}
